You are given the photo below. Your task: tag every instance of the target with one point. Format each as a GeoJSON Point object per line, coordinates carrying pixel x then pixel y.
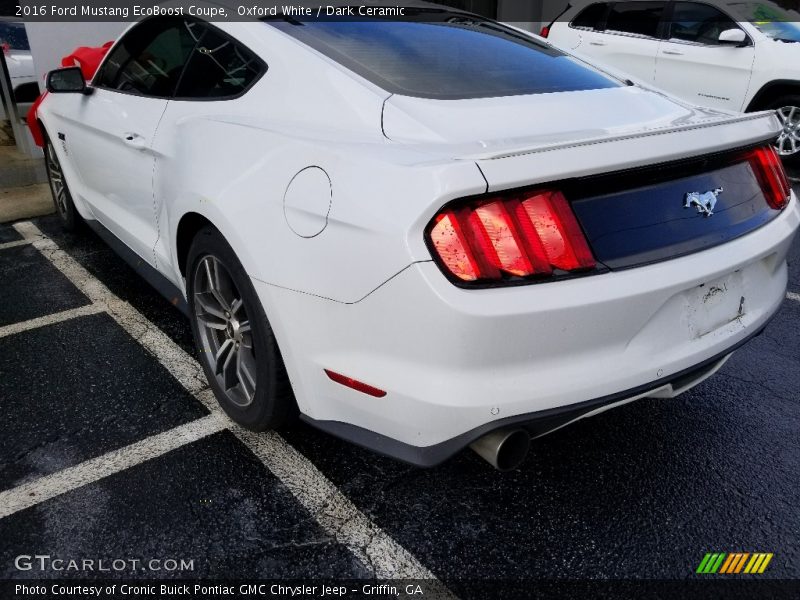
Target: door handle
{"type": "Point", "coordinates": [134, 140]}
{"type": "Point", "coordinates": [597, 44]}
{"type": "Point", "coordinates": [672, 52]}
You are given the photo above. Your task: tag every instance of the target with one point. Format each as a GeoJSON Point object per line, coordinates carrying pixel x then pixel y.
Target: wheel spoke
{"type": "Point", "coordinates": [247, 381]}
{"type": "Point", "coordinates": [222, 354]}
{"type": "Point", "coordinates": [210, 305]}
{"type": "Point", "coordinates": [213, 281]}
{"type": "Point", "coordinates": [212, 321]}
{"type": "Point", "coordinates": [230, 377]}
{"type": "Point", "coordinates": [236, 305]}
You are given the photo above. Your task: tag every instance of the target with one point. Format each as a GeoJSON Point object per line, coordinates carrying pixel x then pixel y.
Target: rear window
{"type": "Point", "coordinates": [453, 58]}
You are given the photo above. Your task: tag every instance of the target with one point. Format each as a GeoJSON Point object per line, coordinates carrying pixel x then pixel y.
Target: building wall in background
{"type": "Point", "coordinates": [52, 41]}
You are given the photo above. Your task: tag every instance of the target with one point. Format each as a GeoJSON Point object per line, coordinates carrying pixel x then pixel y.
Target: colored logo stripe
{"type": "Point", "coordinates": [729, 563]}
{"type": "Point", "coordinates": [734, 563]}
{"type": "Point", "coordinates": [758, 563]}
{"type": "Point", "coordinates": [711, 563]}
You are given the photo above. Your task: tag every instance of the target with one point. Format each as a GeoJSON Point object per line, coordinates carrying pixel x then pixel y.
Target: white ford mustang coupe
{"type": "Point", "coordinates": [423, 232]}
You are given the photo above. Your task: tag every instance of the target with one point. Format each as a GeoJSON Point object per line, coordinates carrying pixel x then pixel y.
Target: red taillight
{"type": "Point", "coordinates": [510, 237]}
{"type": "Point", "coordinates": [771, 177]}
{"type": "Point", "coordinates": [355, 384]}
{"type": "Point", "coordinates": [545, 31]}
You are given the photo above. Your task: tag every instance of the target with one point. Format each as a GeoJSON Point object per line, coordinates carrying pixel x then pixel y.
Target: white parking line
{"type": "Point", "coordinates": [336, 514]}
{"type": "Point", "coordinates": [332, 510]}
{"type": "Point", "coordinates": [14, 244]}
{"type": "Point", "coordinates": [36, 491]}
{"type": "Point", "coordinates": [58, 317]}
{"type": "Point", "coordinates": [793, 296]}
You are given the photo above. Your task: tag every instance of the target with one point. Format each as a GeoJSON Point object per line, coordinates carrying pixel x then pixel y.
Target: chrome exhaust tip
{"type": "Point", "coordinates": [504, 449]}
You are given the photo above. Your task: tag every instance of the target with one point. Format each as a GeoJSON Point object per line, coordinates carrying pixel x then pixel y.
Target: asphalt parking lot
{"type": "Point", "coordinates": [116, 449]}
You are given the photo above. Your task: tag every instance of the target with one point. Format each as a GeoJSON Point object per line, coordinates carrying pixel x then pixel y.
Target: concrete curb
{"type": "Point", "coordinates": [25, 202]}
{"type": "Point", "coordinates": [17, 170]}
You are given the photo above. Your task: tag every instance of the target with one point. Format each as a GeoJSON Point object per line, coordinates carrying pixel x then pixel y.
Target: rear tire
{"type": "Point", "coordinates": [62, 198]}
{"type": "Point", "coordinates": [788, 143]}
{"type": "Point", "coordinates": [235, 343]}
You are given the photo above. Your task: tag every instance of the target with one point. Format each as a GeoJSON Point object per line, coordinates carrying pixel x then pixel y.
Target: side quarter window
{"type": "Point", "coordinates": [591, 17]}
{"type": "Point", "coordinates": [699, 23]}
{"type": "Point", "coordinates": [219, 68]}
{"type": "Point", "coordinates": [149, 59]}
{"type": "Point", "coordinates": [637, 18]}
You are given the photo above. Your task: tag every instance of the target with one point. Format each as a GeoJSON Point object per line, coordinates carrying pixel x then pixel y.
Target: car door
{"type": "Point", "coordinates": [628, 40]}
{"type": "Point", "coordinates": [695, 66]}
{"type": "Point", "coordinates": [111, 137]}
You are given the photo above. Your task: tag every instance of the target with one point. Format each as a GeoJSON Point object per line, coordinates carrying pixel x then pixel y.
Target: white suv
{"type": "Point", "coordinates": [732, 54]}
{"type": "Point", "coordinates": [14, 45]}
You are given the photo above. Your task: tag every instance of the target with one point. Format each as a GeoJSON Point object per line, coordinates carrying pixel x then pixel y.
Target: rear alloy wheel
{"type": "Point", "coordinates": [225, 330]}
{"type": "Point", "coordinates": [236, 344]}
{"type": "Point", "coordinates": [62, 198]}
{"type": "Point", "coordinates": [788, 142]}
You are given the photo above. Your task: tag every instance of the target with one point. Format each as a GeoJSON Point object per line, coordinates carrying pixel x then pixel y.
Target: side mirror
{"type": "Point", "coordinates": [67, 81]}
{"type": "Point", "coordinates": [732, 36]}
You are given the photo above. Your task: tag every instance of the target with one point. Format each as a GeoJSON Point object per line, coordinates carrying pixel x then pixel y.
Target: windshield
{"type": "Point", "coordinates": [13, 35]}
{"type": "Point", "coordinates": [770, 19]}
{"type": "Point", "coordinates": [446, 56]}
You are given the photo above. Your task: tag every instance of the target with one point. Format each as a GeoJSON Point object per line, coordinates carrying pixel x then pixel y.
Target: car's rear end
{"type": "Point", "coordinates": [552, 301]}
{"type": "Point", "coordinates": [624, 245]}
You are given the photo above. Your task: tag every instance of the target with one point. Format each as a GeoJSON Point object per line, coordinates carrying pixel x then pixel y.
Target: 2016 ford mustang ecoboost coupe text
{"type": "Point", "coordinates": [423, 232]}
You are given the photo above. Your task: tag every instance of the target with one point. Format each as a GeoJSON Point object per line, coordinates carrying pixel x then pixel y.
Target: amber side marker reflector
{"type": "Point", "coordinates": [355, 384]}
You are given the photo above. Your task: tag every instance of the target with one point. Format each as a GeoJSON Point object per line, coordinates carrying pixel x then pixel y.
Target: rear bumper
{"type": "Point", "coordinates": [536, 423]}
{"type": "Point", "coordinates": [458, 363]}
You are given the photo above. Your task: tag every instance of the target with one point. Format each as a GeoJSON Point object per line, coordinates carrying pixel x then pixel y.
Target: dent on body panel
{"type": "Point", "coordinates": [201, 169]}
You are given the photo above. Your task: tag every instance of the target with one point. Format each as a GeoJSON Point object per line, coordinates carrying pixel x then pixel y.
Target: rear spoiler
{"type": "Point", "coordinates": [507, 168]}
{"type": "Point", "coordinates": [766, 116]}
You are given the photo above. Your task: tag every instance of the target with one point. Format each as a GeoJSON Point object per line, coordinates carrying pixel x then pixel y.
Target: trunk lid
{"type": "Point", "coordinates": [496, 124]}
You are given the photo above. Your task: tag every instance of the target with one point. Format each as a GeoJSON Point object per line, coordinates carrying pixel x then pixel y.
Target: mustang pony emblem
{"type": "Point", "coordinates": [704, 202]}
